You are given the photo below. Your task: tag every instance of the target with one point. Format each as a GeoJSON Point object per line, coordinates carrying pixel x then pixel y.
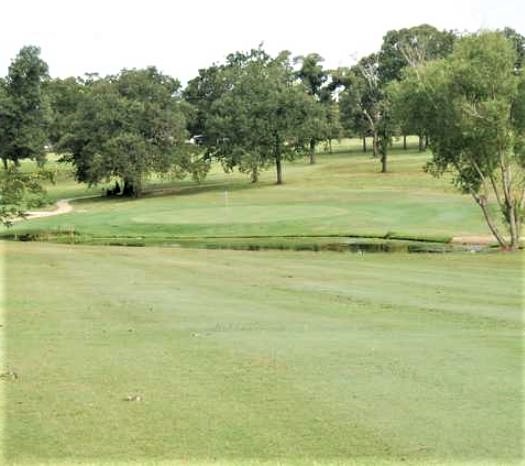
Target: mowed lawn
{"type": "Point", "coordinates": [246, 357]}
{"type": "Point", "coordinates": [344, 194]}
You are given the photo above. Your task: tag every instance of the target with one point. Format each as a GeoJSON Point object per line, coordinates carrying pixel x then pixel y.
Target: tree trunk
{"type": "Point", "coordinates": [364, 143]}
{"type": "Point", "coordinates": [383, 143]}
{"type": "Point", "coordinates": [404, 142]}
{"type": "Point", "coordinates": [420, 143]}
{"type": "Point", "coordinates": [255, 175]}
{"type": "Point", "coordinates": [129, 189]}
{"type": "Point", "coordinates": [510, 207]}
{"type": "Point", "coordinates": [515, 240]}
{"type": "Point", "coordinates": [516, 237]}
{"type": "Point", "coordinates": [383, 163]}
{"type": "Point", "coordinates": [4, 161]}
{"type": "Point", "coordinates": [511, 221]}
{"type": "Point", "coordinates": [279, 169]}
{"type": "Point", "coordinates": [426, 141]}
{"type": "Point", "coordinates": [329, 145]}
{"type": "Point", "coordinates": [374, 144]}
{"type": "Point", "coordinates": [312, 151]}
{"type": "Point", "coordinates": [482, 202]}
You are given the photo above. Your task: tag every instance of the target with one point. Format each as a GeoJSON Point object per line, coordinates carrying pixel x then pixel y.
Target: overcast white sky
{"type": "Point", "coordinates": [179, 37]}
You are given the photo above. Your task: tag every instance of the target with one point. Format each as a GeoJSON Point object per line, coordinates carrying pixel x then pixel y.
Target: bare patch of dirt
{"type": "Point", "coordinates": [479, 240]}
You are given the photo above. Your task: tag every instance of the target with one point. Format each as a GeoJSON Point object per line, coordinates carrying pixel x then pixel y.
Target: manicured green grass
{"type": "Point", "coordinates": [263, 357]}
{"type": "Point", "coordinates": [247, 358]}
{"type": "Point", "coordinates": [344, 194]}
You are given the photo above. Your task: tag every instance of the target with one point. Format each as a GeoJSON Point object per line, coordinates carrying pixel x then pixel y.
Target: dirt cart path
{"type": "Point", "coordinates": [61, 207]}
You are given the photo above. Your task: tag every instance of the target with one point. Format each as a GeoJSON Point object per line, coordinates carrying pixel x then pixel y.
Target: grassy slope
{"type": "Point", "coordinates": [343, 194]}
{"type": "Point", "coordinates": [297, 356]}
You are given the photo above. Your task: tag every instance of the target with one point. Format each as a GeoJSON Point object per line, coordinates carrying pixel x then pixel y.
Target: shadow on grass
{"type": "Point", "coordinates": [358, 150]}
{"type": "Point", "coordinates": [160, 190]}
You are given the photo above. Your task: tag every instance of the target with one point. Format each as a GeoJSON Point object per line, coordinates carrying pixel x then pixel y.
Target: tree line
{"type": "Point", "coordinates": [462, 95]}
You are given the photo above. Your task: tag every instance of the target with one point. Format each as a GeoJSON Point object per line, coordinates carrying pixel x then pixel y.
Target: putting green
{"type": "Point", "coordinates": [239, 214]}
{"type": "Point", "coordinates": [343, 194]}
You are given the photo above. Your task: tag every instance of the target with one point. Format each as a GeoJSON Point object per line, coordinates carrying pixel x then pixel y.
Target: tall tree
{"type": "Point", "coordinates": [477, 125]}
{"type": "Point", "coordinates": [129, 126]}
{"type": "Point", "coordinates": [265, 116]}
{"type": "Point", "coordinates": [23, 108]}
{"type": "Point", "coordinates": [325, 124]}
{"type": "Point", "coordinates": [410, 110]}
{"type": "Point", "coordinates": [344, 81]}
{"type": "Point", "coordinates": [333, 125]}
{"type": "Point", "coordinates": [411, 47]}
{"type": "Point", "coordinates": [368, 87]}
{"type": "Point", "coordinates": [366, 99]}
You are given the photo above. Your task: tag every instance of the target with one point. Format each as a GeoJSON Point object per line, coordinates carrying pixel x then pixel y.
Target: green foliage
{"type": "Point", "coordinates": [409, 106]}
{"type": "Point", "coordinates": [311, 73]}
{"type": "Point", "coordinates": [475, 123]}
{"type": "Point", "coordinates": [24, 112]}
{"type": "Point", "coordinates": [264, 117]}
{"type": "Point", "coordinates": [19, 192]}
{"type": "Point", "coordinates": [63, 96]}
{"type": "Point", "coordinates": [334, 127]}
{"type": "Point", "coordinates": [411, 47]}
{"type": "Point", "coordinates": [324, 123]}
{"type": "Point", "coordinates": [518, 120]}
{"type": "Point", "coordinates": [129, 126]}
{"type": "Point", "coordinates": [518, 43]}
{"type": "Point", "coordinates": [351, 114]}
{"type": "Point", "coordinates": [201, 92]}
{"type": "Point", "coordinates": [365, 106]}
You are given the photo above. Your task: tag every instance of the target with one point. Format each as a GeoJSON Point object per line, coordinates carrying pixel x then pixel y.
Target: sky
{"type": "Point", "coordinates": [180, 37]}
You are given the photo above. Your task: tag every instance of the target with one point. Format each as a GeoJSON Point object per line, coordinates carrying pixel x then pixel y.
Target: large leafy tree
{"type": "Point", "coordinates": [333, 127]}
{"type": "Point", "coordinates": [411, 47]}
{"type": "Point", "coordinates": [314, 77]}
{"type": "Point", "coordinates": [477, 125]}
{"type": "Point", "coordinates": [364, 103]}
{"type": "Point", "coordinates": [23, 108]}
{"type": "Point", "coordinates": [366, 85]}
{"type": "Point", "coordinates": [324, 123]}
{"type": "Point", "coordinates": [127, 127]}
{"type": "Point", "coordinates": [410, 111]}
{"type": "Point", "coordinates": [343, 80]}
{"type": "Point", "coordinates": [264, 117]}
